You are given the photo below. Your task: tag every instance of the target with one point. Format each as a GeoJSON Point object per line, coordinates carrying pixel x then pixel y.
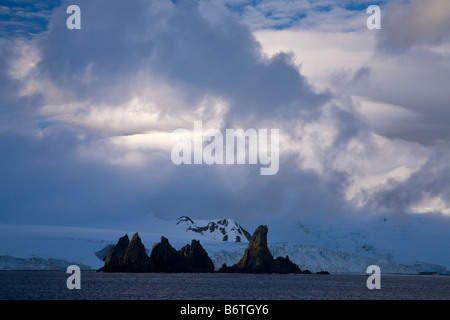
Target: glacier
{"type": "Point", "coordinates": [36, 263]}
{"type": "Point", "coordinates": [316, 259]}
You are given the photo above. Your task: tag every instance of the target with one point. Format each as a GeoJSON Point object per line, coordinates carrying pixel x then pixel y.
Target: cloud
{"type": "Point", "coordinates": [426, 190]}
{"type": "Point", "coordinates": [382, 150]}
{"type": "Point", "coordinates": [99, 97]}
{"type": "Point", "coordinates": [414, 23]}
{"type": "Point", "coordinates": [75, 73]}
{"type": "Point", "coordinates": [49, 180]}
{"type": "Point", "coordinates": [320, 54]}
{"type": "Point", "coordinates": [97, 105]}
{"type": "Point", "coordinates": [351, 64]}
{"type": "Point", "coordinates": [387, 119]}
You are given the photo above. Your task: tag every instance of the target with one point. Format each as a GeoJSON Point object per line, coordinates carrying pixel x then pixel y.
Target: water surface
{"type": "Point", "coordinates": [50, 285]}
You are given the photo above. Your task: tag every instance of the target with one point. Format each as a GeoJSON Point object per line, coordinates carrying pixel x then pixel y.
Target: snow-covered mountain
{"type": "Point", "coordinates": [217, 229]}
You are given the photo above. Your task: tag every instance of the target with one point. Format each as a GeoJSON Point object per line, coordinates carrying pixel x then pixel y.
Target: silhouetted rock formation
{"type": "Point", "coordinates": [191, 258]}
{"type": "Point", "coordinates": [285, 265]}
{"type": "Point", "coordinates": [196, 258]}
{"type": "Point", "coordinates": [258, 259]}
{"type": "Point", "coordinates": [322, 272]}
{"type": "Point", "coordinates": [127, 256]}
{"type": "Point", "coordinates": [135, 258]}
{"type": "Point", "coordinates": [165, 258]}
{"type": "Point", "coordinates": [130, 256]}
{"type": "Point", "coordinates": [115, 255]}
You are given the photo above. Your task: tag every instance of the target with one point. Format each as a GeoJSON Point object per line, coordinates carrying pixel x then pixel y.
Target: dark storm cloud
{"type": "Point", "coordinates": [46, 180]}
{"type": "Point", "coordinates": [68, 173]}
{"type": "Point", "coordinates": [178, 43]}
{"type": "Point", "coordinates": [239, 192]}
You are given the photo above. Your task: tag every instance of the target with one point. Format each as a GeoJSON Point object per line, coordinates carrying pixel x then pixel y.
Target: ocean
{"type": "Point", "coordinates": [51, 285]}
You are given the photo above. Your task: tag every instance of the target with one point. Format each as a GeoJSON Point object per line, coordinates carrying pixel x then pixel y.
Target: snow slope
{"type": "Point", "coordinates": [13, 263]}
{"type": "Point", "coordinates": [406, 239]}
{"type": "Point", "coordinates": [315, 259]}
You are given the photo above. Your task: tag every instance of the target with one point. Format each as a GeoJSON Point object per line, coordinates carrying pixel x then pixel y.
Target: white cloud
{"type": "Point", "coordinates": [351, 64]}
{"type": "Point", "coordinates": [432, 204]}
{"type": "Point", "coordinates": [370, 163]}
{"type": "Point", "coordinates": [319, 54]}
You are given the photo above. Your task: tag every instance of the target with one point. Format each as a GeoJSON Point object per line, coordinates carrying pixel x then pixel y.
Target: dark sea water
{"type": "Point", "coordinates": [50, 285]}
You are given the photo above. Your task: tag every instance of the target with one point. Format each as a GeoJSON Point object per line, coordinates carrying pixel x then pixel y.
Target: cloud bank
{"type": "Point", "coordinates": [87, 115]}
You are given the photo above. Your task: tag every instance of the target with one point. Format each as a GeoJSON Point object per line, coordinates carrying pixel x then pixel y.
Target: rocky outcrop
{"type": "Point", "coordinates": [258, 259]}
{"type": "Point", "coordinates": [130, 256]}
{"type": "Point", "coordinates": [135, 259]}
{"type": "Point", "coordinates": [190, 258]}
{"type": "Point", "coordinates": [196, 258]}
{"type": "Point", "coordinates": [113, 259]}
{"type": "Point", "coordinates": [285, 265]}
{"type": "Point", "coordinates": [165, 258]}
{"type": "Point", "coordinates": [127, 256]}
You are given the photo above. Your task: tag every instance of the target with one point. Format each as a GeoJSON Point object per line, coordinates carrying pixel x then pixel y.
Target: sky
{"type": "Point", "coordinates": [86, 116]}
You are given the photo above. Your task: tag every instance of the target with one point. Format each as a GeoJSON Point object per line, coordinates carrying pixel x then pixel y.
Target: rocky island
{"type": "Point", "coordinates": [258, 259]}
{"type": "Point", "coordinates": [130, 256]}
